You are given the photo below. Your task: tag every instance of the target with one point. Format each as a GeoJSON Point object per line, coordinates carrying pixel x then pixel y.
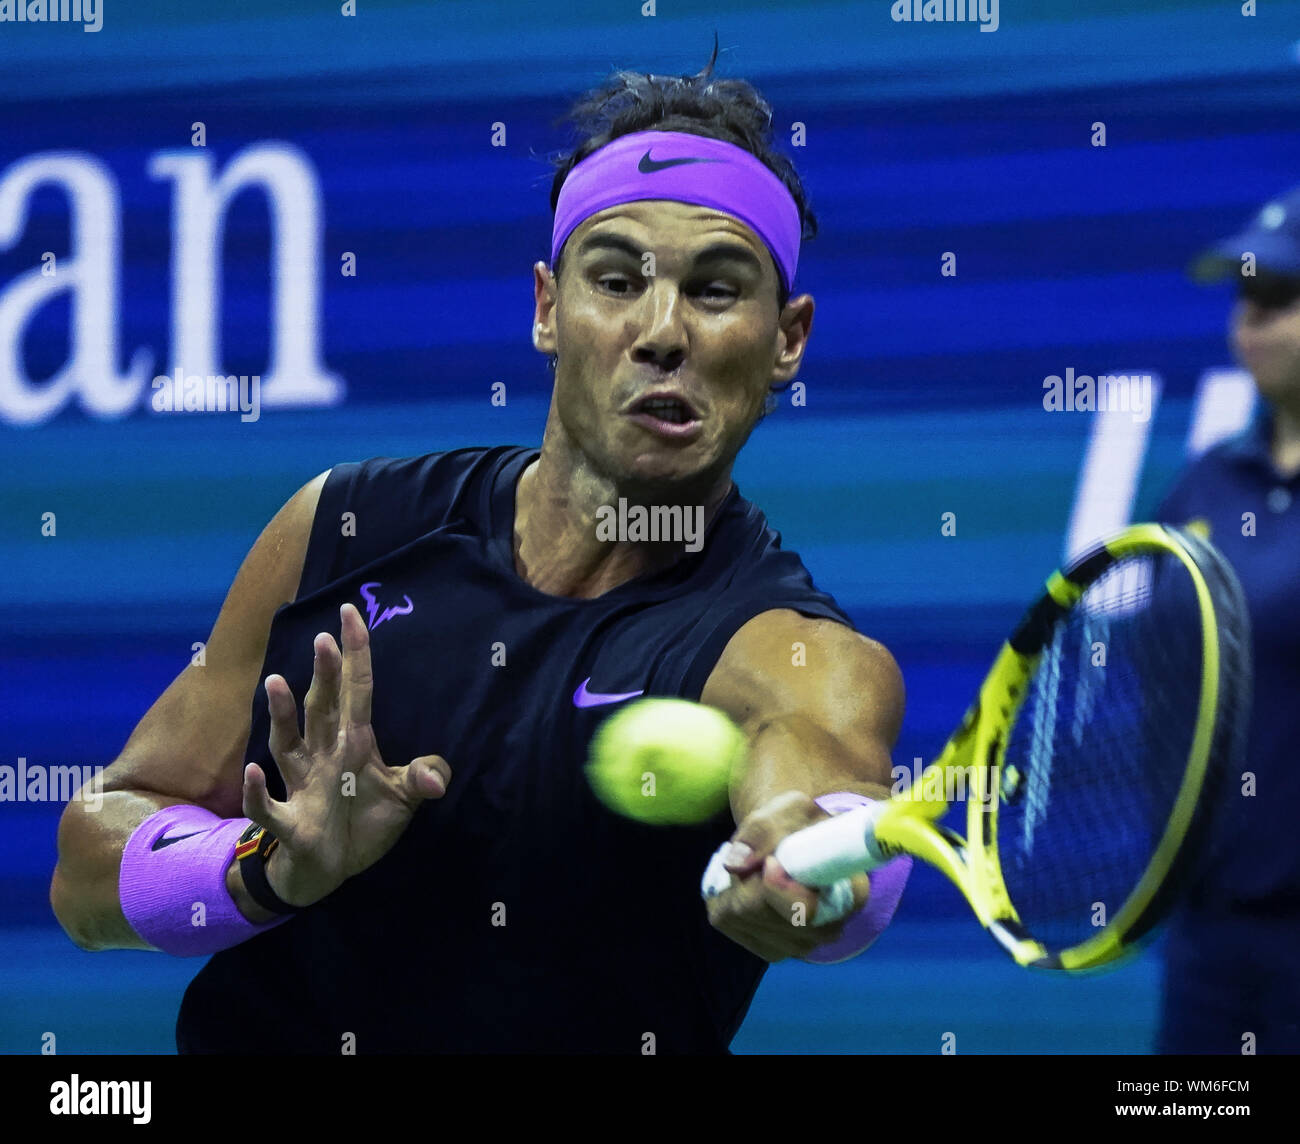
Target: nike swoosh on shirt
{"type": "Point", "coordinates": [649, 166]}
{"type": "Point", "coordinates": [584, 698]}
{"type": "Point", "coordinates": [161, 842]}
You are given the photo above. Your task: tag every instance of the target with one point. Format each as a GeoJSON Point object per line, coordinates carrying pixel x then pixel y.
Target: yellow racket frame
{"type": "Point", "coordinates": [909, 821]}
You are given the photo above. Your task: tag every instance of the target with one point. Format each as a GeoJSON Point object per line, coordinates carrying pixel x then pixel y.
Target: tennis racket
{"type": "Point", "coordinates": [1095, 763]}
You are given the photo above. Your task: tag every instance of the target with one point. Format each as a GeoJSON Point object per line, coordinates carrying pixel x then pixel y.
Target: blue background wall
{"type": "Point", "coordinates": [924, 393]}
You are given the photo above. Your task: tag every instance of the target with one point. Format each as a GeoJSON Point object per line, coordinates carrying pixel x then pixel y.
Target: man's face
{"type": "Point", "coordinates": [1265, 334]}
{"type": "Point", "coordinates": [662, 375]}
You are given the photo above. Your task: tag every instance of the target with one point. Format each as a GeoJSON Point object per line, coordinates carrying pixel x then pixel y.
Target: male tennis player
{"type": "Point", "coordinates": [1232, 971]}
{"type": "Point", "coordinates": [420, 865]}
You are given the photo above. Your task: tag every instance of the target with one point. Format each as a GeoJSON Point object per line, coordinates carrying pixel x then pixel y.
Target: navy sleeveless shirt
{"type": "Point", "coordinates": [516, 914]}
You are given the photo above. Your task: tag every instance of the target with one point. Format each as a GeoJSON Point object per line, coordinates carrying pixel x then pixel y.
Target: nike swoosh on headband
{"type": "Point", "coordinates": [584, 698]}
{"type": "Point", "coordinates": [649, 166]}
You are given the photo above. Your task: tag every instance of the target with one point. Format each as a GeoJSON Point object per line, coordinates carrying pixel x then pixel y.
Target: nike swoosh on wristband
{"type": "Point", "coordinates": [649, 166]}
{"type": "Point", "coordinates": [159, 843]}
{"type": "Point", "coordinates": [584, 698]}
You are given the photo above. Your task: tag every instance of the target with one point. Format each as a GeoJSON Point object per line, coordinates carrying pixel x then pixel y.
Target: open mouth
{"type": "Point", "coordinates": [670, 409]}
{"type": "Point", "coordinates": [667, 416]}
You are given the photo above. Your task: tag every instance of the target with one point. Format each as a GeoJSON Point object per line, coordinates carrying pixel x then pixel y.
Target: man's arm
{"type": "Point", "coordinates": [189, 747]}
{"type": "Point", "coordinates": [821, 706]}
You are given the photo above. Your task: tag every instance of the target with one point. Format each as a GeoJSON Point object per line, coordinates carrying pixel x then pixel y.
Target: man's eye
{"type": "Point", "coordinates": [622, 284]}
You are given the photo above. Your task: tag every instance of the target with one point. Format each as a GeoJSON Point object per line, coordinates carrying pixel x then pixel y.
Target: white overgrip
{"type": "Point", "coordinates": [836, 848]}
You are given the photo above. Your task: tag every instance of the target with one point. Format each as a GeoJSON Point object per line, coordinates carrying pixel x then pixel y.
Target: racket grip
{"type": "Point", "coordinates": [835, 848]}
{"type": "Point", "coordinates": [835, 902]}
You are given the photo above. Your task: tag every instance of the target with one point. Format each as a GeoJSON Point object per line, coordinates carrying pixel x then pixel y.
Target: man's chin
{"type": "Point", "coordinates": [663, 469]}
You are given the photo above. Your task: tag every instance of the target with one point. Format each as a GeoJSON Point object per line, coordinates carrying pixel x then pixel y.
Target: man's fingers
{"type": "Point", "coordinates": [751, 844]}
{"type": "Point", "coordinates": [788, 899]}
{"type": "Point", "coordinates": [772, 938]}
{"type": "Point", "coordinates": [764, 918]}
{"type": "Point", "coordinates": [861, 891]}
{"type": "Point", "coordinates": [803, 903]}
{"type": "Point", "coordinates": [258, 803]}
{"type": "Point", "coordinates": [287, 748]}
{"type": "Point", "coordinates": [741, 858]}
{"type": "Point", "coordinates": [357, 678]}
{"type": "Point", "coordinates": [425, 777]}
{"type": "Point", "coordinates": [758, 835]}
{"type": "Point", "coordinates": [765, 909]}
{"type": "Point", "coordinates": [321, 708]}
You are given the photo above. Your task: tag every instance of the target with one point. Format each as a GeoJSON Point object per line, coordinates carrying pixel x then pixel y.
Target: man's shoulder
{"type": "Point", "coordinates": [424, 467]}
{"type": "Point", "coordinates": [414, 491]}
{"type": "Point", "coordinates": [757, 556]}
{"type": "Point", "coordinates": [747, 574]}
{"type": "Point", "coordinates": [368, 509]}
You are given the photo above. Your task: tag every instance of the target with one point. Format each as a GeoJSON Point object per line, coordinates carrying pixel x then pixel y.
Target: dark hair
{"type": "Point", "coordinates": [727, 109]}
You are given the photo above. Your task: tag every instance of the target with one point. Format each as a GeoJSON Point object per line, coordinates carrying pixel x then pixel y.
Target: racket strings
{"type": "Point", "coordinates": [1096, 758]}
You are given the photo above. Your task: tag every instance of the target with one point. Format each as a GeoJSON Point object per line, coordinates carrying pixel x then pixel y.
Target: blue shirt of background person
{"type": "Point", "coordinates": [1232, 963]}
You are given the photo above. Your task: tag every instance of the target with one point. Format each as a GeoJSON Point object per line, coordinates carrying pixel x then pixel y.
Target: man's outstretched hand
{"type": "Point", "coordinates": [344, 807]}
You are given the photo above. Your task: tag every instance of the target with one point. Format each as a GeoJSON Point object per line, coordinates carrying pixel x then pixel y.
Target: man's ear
{"type": "Point", "coordinates": [544, 300]}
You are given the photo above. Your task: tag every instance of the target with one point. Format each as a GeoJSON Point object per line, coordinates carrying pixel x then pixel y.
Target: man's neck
{"type": "Point", "coordinates": [564, 511]}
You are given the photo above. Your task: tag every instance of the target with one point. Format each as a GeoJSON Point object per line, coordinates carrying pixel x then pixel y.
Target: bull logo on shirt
{"type": "Point", "coordinates": [372, 606]}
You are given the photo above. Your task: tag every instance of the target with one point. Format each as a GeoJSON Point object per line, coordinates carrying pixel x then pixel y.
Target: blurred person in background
{"type": "Point", "coordinates": [1232, 960]}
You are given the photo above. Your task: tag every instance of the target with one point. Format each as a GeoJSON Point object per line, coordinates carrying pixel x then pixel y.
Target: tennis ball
{"type": "Point", "coordinates": [665, 761]}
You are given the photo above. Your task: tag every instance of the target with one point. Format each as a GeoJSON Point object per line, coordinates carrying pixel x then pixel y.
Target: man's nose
{"type": "Point", "coordinates": [663, 337]}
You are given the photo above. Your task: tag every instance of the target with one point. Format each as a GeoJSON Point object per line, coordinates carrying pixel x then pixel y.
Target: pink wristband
{"type": "Point", "coordinates": [887, 883]}
{"type": "Point", "coordinates": [175, 895]}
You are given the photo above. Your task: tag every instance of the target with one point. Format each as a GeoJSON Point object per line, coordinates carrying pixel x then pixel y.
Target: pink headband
{"type": "Point", "coordinates": [690, 169]}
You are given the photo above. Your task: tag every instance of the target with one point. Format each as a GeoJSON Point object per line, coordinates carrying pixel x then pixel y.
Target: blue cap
{"type": "Point", "coordinates": [1273, 236]}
